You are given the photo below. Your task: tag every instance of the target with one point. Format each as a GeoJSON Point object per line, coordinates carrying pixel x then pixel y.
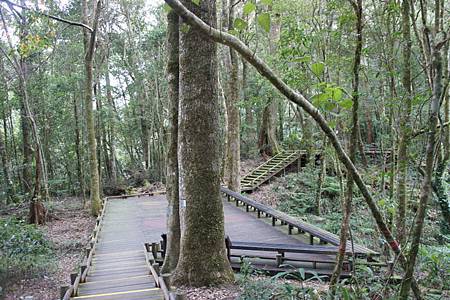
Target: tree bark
{"type": "Point", "coordinates": [267, 142]}
{"type": "Point", "coordinates": [402, 162]}
{"type": "Point", "coordinates": [173, 216]}
{"type": "Point", "coordinates": [232, 161]}
{"type": "Point", "coordinates": [89, 43]}
{"type": "Point", "coordinates": [78, 151]}
{"type": "Point", "coordinates": [203, 259]}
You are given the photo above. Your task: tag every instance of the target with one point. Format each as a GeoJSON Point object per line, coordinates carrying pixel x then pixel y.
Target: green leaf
{"type": "Point", "coordinates": [346, 103]}
{"type": "Point", "coordinates": [318, 68]}
{"type": "Point", "coordinates": [337, 94]}
{"type": "Point", "coordinates": [240, 24]}
{"type": "Point", "coordinates": [249, 7]}
{"type": "Point", "coordinates": [264, 21]}
{"type": "Point", "coordinates": [196, 2]}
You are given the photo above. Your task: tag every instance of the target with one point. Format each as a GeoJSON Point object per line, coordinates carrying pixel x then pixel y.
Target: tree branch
{"type": "Point", "coordinates": [49, 16]}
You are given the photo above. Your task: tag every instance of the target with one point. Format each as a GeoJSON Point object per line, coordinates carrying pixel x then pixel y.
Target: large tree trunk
{"type": "Point", "coordinates": [89, 42]}
{"type": "Point", "coordinates": [232, 161]}
{"type": "Point", "coordinates": [203, 259]}
{"type": "Point", "coordinates": [267, 142]}
{"type": "Point", "coordinates": [173, 216]}
{"type": "Point", "coordinates": [404, 124]}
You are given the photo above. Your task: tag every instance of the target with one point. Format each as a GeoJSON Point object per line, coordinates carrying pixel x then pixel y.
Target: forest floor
{"type": "Point", "coordinates": [67, 230]}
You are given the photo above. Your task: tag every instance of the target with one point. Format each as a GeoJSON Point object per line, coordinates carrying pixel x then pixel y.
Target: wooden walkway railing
{"type": "Point", "coordinates": [323, 236]}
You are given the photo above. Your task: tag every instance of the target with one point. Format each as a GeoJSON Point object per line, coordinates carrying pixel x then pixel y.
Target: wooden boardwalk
{"type": "Point", "coordinates": [239, 226]}
{"type": "Point", "coordinates": [119, 269]}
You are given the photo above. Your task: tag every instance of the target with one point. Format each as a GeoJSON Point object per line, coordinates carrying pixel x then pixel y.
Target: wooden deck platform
{"type": "Point", "coordinates": [119, 269]}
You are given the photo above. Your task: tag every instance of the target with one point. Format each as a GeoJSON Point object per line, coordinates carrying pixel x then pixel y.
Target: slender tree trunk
{"type": "Point", "coordinates": [320, 180]}
{"type": "Point", "coordinates": [27, 151]}
{"type": "Point", "coordinates": [173, 216]}
{"type": "Point", "coordinates": [430, 152]}
{"type": "Point", "coordinates": [112, 140]}
{"type": "Point", "coordinates": [355, 137]}
{"type": "Point", "coordinates": [232, 161]}
{"type": "Point", "coordinates": [203, 259]}
{"type": "Point", "coordinates": [78, 151]}
{"type": "Point", "coordinates": [89, 42]}
{"type": "Point", "coordinates": [402, 162]}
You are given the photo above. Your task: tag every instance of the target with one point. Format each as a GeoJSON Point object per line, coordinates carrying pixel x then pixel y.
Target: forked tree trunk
{"type": "Point", "coordinates": [203, 259]}
{"type": "Point", "coordinates": [173, 216]}
{"type": "Point", "coordinates": [89, 42]}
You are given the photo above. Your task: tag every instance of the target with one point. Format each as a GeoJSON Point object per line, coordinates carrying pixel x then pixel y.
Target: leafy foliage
{"type": "Point", "coordinates": [23, 249]}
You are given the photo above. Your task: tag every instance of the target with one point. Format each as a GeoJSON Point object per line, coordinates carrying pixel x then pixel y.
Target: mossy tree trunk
{"type": "Point", "coordinates": [173, 216]}
{"type": "Point", "coordinates": [89, 43]}
{"type": "Point", "coordinates": [203, 259]}
{"type": "Point", "coordinates": [405, 128]}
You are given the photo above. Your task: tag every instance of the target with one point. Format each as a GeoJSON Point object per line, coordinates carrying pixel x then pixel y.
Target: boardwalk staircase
{"type": "Point", "coordinates": [270, 168]}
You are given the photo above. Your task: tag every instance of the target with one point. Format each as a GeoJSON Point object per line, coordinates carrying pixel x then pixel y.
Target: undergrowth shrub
{"type": "Point", "coordinates": [23, 250]}
{"type": "Point", "coordinates": [434, 264]}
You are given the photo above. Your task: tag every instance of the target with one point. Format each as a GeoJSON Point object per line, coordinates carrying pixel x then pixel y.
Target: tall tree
{"type": "Point", "coordinates": [357, 6]}
{"type": "Point", "coordinates": [437, 40]}
{"type": "Point", "coordinates": [203, 259]}
{"type": "Point", "coordinates": [404, 122]}
{"type": "Point", "coordinates": [267, 140]}
{"type": "Point", "coordinates": [89, 46]}
{"type": "Point", "coordinates": [173, 220]}
{"type": "Point", "coordinates": [232, 161]}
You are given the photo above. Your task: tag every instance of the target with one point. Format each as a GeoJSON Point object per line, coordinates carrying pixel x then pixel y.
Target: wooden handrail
{"type": "Point", "coordinates": [137, 195]}
{"type": "Point", "coordinates": [84, 270]}
{"type": "Point", "coordinates": [323, 235]}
